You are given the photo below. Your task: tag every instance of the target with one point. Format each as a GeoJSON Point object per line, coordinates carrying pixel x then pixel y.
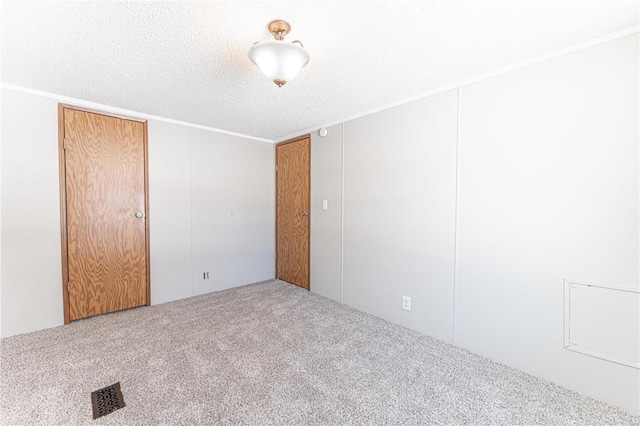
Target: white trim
{"type": "Point", "coordinates": [607, 286]}
{"type": "Point", "coordinates": [605, 357]}
{"type": "Point", "coordinates": [465, 82]}
{"type": "Point", "coordinates": [342, 217]}
{"type": "Point", "coordinates": [193, 281]}
{"type": "Point", "coordinates": [107, 108]}
{"type": "Point", "coordinates": [566, 314]}
{"type": "Point", "coordinates": [456, 234]}
{"type": "Point", "coordinates": [567, 321]}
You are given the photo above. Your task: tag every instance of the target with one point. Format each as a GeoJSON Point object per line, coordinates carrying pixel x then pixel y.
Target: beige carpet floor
{"type": "Point", "coordinates": [270, 353]}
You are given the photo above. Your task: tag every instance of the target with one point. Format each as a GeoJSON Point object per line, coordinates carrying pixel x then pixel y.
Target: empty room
{"type": "Point", "coordinates": [320, 212]}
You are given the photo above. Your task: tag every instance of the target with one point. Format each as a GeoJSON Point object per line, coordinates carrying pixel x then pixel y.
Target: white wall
{"type": "Point", "coordinates": [399, 213]}
{"type": "Point", "coordinates": [31, 262]}
{"type": "Point", "coordinates": [31, 282]}
{"type": "Point", "coordinates": [547, 188]}
{"type": "Point", "coordinates": [326, 230]}
{"type": "Point", "coordinates": [170, 211]}
{"type": "Point", "coordinates": [233, 211]}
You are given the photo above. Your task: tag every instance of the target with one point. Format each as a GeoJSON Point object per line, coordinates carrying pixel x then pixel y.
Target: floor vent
{"type": "Point", "coordinates": [107, 400]}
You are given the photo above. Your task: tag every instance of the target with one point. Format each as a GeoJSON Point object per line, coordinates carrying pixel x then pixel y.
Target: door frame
{"type": "Point", "coordinates": [63, 199]}
{"type": "Point", "coordinates": [288, 141]}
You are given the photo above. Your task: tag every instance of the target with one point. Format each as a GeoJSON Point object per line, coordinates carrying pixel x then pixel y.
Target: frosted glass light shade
{"type": "Point", "coordinates": [279, 61]}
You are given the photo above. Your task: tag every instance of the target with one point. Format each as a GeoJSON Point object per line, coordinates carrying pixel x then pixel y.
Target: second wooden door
{"type": "Point", "coordinates": [104, 198]}
{"type": "Point", "coordinates": [293, 211]}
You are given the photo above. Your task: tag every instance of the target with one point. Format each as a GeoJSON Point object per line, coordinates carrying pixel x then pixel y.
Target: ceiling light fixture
{"type": "Point", "coordinates": [279, 61]}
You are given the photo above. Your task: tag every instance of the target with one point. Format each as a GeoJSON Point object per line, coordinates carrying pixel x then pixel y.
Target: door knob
{"type": "Point", "coordinates": [304, 214]}
{"type": "Point", "coordinates": [139, 214]}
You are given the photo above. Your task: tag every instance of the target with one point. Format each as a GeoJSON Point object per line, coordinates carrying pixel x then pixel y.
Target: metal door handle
{"type": "Point", "coordinates": [304, 214]}
{"type": "Point", "coordinates": [139, 215]}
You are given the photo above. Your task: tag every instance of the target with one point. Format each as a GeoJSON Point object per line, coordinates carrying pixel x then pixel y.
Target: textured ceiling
{"type": "Point", "coordinates": [188, 60]}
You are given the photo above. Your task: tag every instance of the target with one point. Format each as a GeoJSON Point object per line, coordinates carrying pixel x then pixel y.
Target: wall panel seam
{"type": "Point", "coordinates": [342, 217]}
{"type": "Point", "coordinates": [191, 209]}
{"type": "Point", "coordinates": [456, 229]}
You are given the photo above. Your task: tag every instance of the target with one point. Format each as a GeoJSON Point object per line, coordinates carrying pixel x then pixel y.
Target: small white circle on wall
{"type": "Point", "coordinates": [323, 132]}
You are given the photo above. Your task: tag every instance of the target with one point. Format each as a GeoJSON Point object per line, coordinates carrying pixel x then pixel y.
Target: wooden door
{"type": "Point", "coordinates": [105, 228]}
{"type": "Point", "coordinates": [293, 211]}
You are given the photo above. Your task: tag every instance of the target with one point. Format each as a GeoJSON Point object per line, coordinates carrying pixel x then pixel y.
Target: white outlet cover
{"type": "Point", "coordinates": [406, 303]}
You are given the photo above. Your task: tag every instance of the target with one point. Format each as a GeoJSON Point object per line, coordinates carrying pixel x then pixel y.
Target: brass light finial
{"type": "Point", "coordinates": [279, 28]}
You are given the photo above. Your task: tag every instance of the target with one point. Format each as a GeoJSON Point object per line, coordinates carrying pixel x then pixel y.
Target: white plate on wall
{"type": "Point", "coordinates": [603, 321]}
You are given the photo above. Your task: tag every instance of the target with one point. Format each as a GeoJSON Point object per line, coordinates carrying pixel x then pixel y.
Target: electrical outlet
{"type": "Point", "coordinates": [406, 303]}
{"type": "Point", "coordinates": [205, 275]}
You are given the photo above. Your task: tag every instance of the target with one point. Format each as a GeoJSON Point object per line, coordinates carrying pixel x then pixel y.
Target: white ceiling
{"type": "Point", "coordinates": [188, 60]}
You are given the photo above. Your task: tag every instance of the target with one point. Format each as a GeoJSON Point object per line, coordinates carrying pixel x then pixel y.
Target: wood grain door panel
{"type": "Point", "coordinates": [105, 187]}
{"type": "Point", "coordinates": [292, 199]}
